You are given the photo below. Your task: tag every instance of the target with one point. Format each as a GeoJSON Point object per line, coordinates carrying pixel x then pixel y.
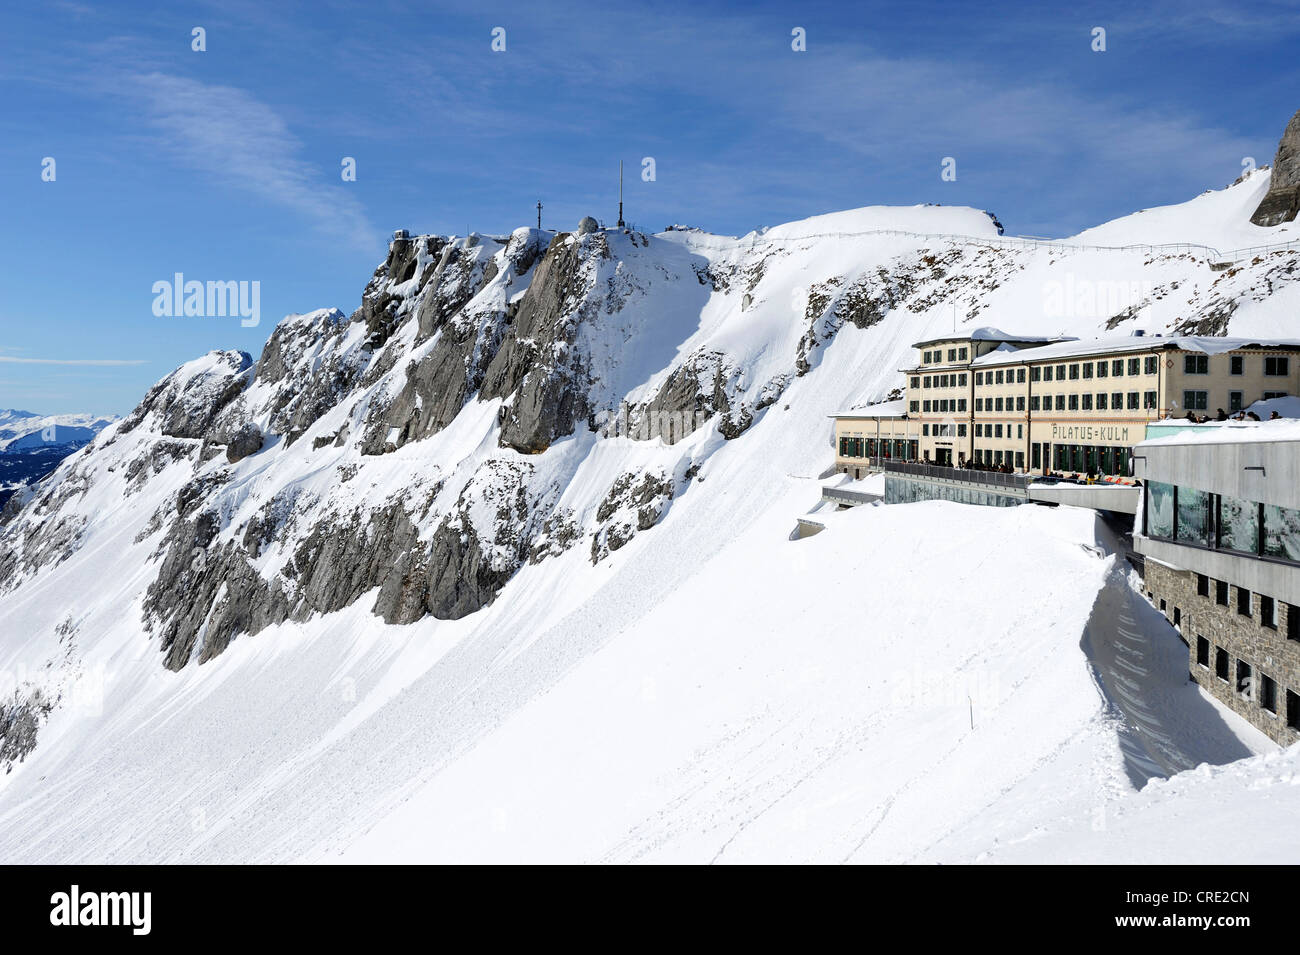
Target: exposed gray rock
{"type": "Point", "coordinates": [246, 441]}
{"type": "Point", "coordinates": [1282, 201]}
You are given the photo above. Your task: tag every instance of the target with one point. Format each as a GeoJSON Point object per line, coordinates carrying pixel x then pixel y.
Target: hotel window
{"type": "Point", "coordinates": [1133, 401]}
{"type": "Point", "coordinates": [1134, 366]}
{"type": "Point", "coordinates": [1047, 373]}
{"type": "Point", "coordinates": [962, 354]}
{"type": "Point", "coordinates": [979, 377]}
{"type": "Point", "coordinates": [916, 382]}
{"type": "Point", "coordinates": [1060, 373]}
{"type": "Point", "coordinates": [1292, 622]}
{"type": "Point", "coordinates": [961, 431]}
{"type": "Point", "coordinates": [961, 380]}
{"type": "Point", "coordinates": [1203, 652]}
{"type": "Point", "coordinates": [1020, 431]}
{"type": "Point", "coordinates": [1270, 395]}
{"type": "Point", "coordinates": [914, 406]}
{"type": "Point", "coordinates": [1020, 402]}
{"type": "Point", "coordinates": [1000, 377]}
{"type": "Point", "coordinates": [1074, 402]}
{"type": "Point", "coordinates": [1221, 593]}
{"type": "Point", "coordinates": [1087, 402]}
{"type": "Point", "coordinates": [1117, 367]}
{"type": "Point", "coordinates": [1236, 365]}
{"type": "Point", "coordinates": [1196, 400]}
{"type": "Point", "coordinates": [1243, 602]}
{"type": "Point", "coordinates": [925, 359]}
{"type": "Point", "coordinates": [979, 404]}
{"type": "Point", "coordinates": [1101, 401]}
{"type": "Point", "coordinates": [1020, 459]}
{"type": "Point", "coordinates": [1020, 376]}
{"type": "Point", "coordinates": [1268, 693]}
{"type": "Point", "coordinates": [952, 354]}
{"type": "Point", "coordinates": [1234, 401]}
{"type": "Point", "coordinates": [1221, 663]}
{"type": "Point", "coordinates": [1033, 402]}
{"type": "Point", "coordinates": [1102, 368]}
{"type": "Point", "coordinates": [1151, 364]}
{"type": "Point", "coordinates": [925, 430]}
{"type": "Point", "coordinates": [1148, 399]}
{"type": "Point", "coordinates": [942, 381]}
{"type": "Point", "coordinates": [1087, 369]}
{"type": "Point", "coordinates": [1117, 400]}
{"type": "Point", "coordinates": [1268, 612]}
{"type": "Point", "coordinates": [961, 404]}
{"type": "Point", "coordinates": [1245, 685]}
{"type": "Point", "coordinates": [926, 381]}
{"type": "Point", "coordinates": [1060, 402]}
{"type": "Point", "coordinates": [998, 405]}
{"type": "Point", "coordinates": [979, 430]}
{"type": "Point", "coordinates": [1196, 364]}
{"type": "Point", "coordinates": [926, 406]}
{"type": "Point", "coordinates": [1074, 372]}
{"type": "Point", "coordinates": [997, 431]}
{"type": "Point", "coordinates": [1035, 374]}
{"type": "Point", "coordinates": [1202, 585]}
{"type": "Point", "coordinates": [1277, 366]}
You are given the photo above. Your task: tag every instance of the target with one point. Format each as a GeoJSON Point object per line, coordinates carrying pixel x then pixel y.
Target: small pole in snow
{"type": "Point", "coordinates": [972, 711]}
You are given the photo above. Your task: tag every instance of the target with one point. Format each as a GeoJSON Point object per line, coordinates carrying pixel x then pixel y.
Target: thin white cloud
{"type": "Point", "coordinates": [236, 138]}
{"type": "Point", "coordinates": [103, 362]}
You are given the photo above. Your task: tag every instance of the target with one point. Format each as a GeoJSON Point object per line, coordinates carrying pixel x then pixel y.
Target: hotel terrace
{"type": "Point", "coordinates": [1036, 405]}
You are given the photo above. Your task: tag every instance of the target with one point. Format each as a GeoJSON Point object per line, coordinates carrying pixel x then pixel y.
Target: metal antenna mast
{"type": "Point", "coordinates": [539, 215]}
{"type": "Point", "coordinates": [620, 193]}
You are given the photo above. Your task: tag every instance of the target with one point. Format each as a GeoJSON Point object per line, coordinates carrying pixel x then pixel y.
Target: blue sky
{"type": "Point", "coordinates": [225, 164]}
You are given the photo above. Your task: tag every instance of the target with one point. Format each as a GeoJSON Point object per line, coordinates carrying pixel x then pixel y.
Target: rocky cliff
{"type": "Point", "coordinates": [1282, 201]}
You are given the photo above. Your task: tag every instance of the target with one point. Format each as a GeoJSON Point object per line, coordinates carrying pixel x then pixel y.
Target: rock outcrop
{"type": "Point", "coordinates": [1282, 201]}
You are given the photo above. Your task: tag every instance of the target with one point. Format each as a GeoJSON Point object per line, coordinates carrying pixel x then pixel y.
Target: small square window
{"type": "Point", "coordinates": [1221, 664]}
{"type": "Point", "coordinates": [1203, 652]}
{"type": "Point", "coordinates": [1221, 593]}
{"type": "Point", "coordinates": [1202, 585]}
{"type": "Point", "coordinates": [1243, 602]}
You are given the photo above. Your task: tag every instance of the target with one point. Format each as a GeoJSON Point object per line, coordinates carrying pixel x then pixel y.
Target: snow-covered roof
{"type": "Point", "coordinates": [883, 409]}
{"type": "Point", "coordinates": [987, 333]}
{"type": "Point", "coordinates": [1232, 432]}
{"type": "Point", "coordinates": [1207, 344]}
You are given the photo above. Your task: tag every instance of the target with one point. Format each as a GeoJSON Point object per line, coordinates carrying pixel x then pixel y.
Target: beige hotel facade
{"type": "Point", "coordinates": [1061, 405]}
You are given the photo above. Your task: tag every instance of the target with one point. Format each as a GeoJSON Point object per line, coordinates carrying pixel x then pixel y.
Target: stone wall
{"type": "Point", "coordinates": [1267, 651]}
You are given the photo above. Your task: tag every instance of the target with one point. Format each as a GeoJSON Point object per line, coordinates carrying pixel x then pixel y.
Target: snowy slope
{"type": "Point", "coordinates": [401, 587]}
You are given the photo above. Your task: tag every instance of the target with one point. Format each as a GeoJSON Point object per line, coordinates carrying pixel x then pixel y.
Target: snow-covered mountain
{"type": "Point", "coordinates": [499, 565]}
{"type": "Point", "coordinates": [24, 430]}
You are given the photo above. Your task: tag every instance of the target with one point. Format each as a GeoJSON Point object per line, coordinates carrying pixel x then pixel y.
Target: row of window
{"type": "Point", "coordinates": [1000, 377]}
{"type": "Point", "coordinates": [902, 449]}
{"type": "Point", "coordinates": [1222, 522]}
{"type": "Point", "coordinates": [1275, 366]}
{"type": "Point", "coordinates": [995, 431]}
{"type": "Point", "coordinates": [1248, 685]}
{"type": "Point", "coordinates": [1268, 607]}
{"type": "Point", "coordinates": [1015, 459]}
{"type": "Point", "coordinates": [954, 354]}
{"type": "Point", "coordinates": [940, 381]}
{"type": "Point", "coordinates": [1116, 401]}
{"type": "Point", "coordinates": [1086, 458]}
{"type": "Point", "coordinates": [944, 430]}
{"type": "Point", "coordinates": [941, 405]}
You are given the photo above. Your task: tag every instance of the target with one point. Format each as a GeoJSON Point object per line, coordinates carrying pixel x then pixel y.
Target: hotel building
{"type": "Point", "coordinates": [1219, 530]}
{"type": "Point", "coordinates": [1035, 405]}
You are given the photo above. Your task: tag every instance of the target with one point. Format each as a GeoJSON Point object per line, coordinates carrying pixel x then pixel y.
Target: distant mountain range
{"type": "Point", "coordinates": [32, 445]}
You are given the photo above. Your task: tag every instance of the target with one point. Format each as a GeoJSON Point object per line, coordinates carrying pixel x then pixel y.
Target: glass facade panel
{"type": "Point", "coordinates": [1238, 525]}
{"type": "Point", "coordinates": [1160, 510]}
{"type": "Point", "coordinates": [1281, 532]}
{"type": "Point", "coordinates": [1194, 522]}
